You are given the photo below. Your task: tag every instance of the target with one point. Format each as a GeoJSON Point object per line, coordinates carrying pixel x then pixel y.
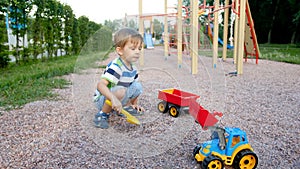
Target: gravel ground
{"type": "Point", "coordinates": [264, 101]}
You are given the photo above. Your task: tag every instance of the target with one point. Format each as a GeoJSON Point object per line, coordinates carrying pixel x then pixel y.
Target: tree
{"type": "Point", "coordinates": [294, 8]}
{"type": "Point", "coordinates": [157, 26]}
{"type": "Point", "coordinates": [75, 37]}
{"type": "Point", "coordinates": [18, 13]}
{"type": "Point", "coordinates": [113, 25]}
{"type": "Point", "coordinates": [38, 28]}
{"type": "Point", "coordinates": [132, 24]}
{"type": "Point", "coordinates": [83, 25]}
{"type": "Point", "coordinates": [4, 58]}
{"type": "Point", "coordinates": [50, 22]}
{"type": "Point", "coordinates": [276, 5]}
{"type": "Point", "coordinates": [59, 24]}
{"type": "Point", "coordinates": [69, 23]}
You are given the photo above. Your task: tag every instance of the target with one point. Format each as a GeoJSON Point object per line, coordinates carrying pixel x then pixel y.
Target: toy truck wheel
{"type": "Point", "coordinates": [162, 107]}
{"type": "Point", "coordinates": [212, 162]}
{"type": "Point", "coordinates": [196, 150]}
{"type": "Point", "coordinates": [173, 111]}
{"type": "Point", "coordinates": [245, 159]}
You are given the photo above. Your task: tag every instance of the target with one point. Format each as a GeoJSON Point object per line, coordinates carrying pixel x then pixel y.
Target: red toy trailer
{"type": "Point", "coordinates": [175, 101]}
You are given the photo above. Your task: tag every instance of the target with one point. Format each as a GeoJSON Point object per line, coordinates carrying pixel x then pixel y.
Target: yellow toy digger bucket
{"type": "Point", "coordinates": [130, 118]}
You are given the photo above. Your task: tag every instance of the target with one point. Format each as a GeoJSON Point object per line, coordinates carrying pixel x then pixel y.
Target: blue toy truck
{"type": "Point", "coordinates": [228, 146]}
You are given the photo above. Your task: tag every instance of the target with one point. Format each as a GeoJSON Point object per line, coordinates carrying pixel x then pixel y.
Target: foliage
{"type": "Point", "coordinates": [69, 25]}
{"type": "Point", "coordinates": [83, 23]}
{"type": "Point", "coordinates": [4, 58]}
{"type": "Point", "coordinates": [157, 26]}
{"type": "Point", "coordinates": [132, 24]}
{"type": "Point", "coordinates": [275, 21]}
{"type": "Point", "coordinates": [38, 29]}
{"type": "Point", "coordinates": [113, 25]}
{"type": "Point", "coordinates": [35, 80]}
{"type": "Point", "coordinates": [50, 27]}
{"type": "Point", "coordinates": [75, 38]}
{"type": "Point", "coordinates": [18, 12]}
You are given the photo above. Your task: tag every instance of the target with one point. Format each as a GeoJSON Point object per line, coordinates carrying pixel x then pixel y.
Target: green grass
{"type": "Point", "coordinates": [21, 84]}
{"type": "Point", "coordinates": [275, 52]}
{"type": "Point", "coordinates": [280, 53]}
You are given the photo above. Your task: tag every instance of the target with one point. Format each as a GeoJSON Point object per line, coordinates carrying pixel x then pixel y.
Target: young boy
{"type": "Point", "coordinates": [119, 82]}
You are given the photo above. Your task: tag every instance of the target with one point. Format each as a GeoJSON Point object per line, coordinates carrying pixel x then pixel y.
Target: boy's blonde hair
{"type": "Point", "coordinates": [125, 35]}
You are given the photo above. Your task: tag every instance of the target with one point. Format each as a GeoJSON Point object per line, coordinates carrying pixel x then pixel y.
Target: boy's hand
{"type": "Point", "coordinates": [116, 104]}
{"type": "Point", "coordinates": [138, 108]}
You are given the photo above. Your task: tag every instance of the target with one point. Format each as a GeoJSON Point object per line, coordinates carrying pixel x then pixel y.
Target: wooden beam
{"type": "Point", "coordinates": [225, 31]}
{"type": "Point", "coordinates": [166, 34]}
{"type": "Point", "coordinates": [179, 33]}
{"type": "Point", "coordinates": [241, 37]}
{"type": "Point", "coordinates": [194, 36]}
{"type": "Point", "coordinates": [216, 33]}
{"type": "Point", "coordinates": [236, 32]}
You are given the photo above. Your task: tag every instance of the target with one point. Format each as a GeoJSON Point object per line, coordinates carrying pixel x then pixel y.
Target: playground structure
{"type": "Point", "coordinates": [245, 41]}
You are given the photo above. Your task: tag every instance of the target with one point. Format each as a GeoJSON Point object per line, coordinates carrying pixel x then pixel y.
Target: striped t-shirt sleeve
{"type": "Point", "coordinates": [112, 74]}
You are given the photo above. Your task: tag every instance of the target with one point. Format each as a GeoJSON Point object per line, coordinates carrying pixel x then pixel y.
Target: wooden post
{"type": "Point", "coordinates": [166, 34]}
{"type": "Point", "coordinates": [236, 32]}
{"type": "Point", "coordinates": [241, 37]}
{"type": "Point", "coordinates": [141, 30]}
{"type": "Point", "coordinates": [216, 33]}
{"type": "Point", "coordinates": [194, 36]}
{"type": "Point", "coordinates": [225, 31]}
{"type": "Point", "coordinates": [179, 33]}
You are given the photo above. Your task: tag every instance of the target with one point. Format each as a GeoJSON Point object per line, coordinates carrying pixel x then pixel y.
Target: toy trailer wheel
{"type": "Point", "coordinates": [173, 111]}
{"type": "Point", "coordinates": [245, 159]}
{"type": "Point", "coordinates": [212, 162]}
{"type": "Point", "coordinates": [162, 107]}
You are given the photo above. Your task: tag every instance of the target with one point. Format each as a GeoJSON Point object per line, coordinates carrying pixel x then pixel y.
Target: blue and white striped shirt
{"type": "Point", "coordinates": [117, 73]}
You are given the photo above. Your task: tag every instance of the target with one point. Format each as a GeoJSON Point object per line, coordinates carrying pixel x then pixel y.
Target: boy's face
{"type": "Point", "coordinates": [131, 52]}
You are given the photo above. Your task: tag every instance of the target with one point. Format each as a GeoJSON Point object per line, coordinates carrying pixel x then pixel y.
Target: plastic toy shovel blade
{"type": "Point", "coordinates": [130, 118]}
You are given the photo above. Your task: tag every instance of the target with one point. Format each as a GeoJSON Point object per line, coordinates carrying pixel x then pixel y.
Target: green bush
{"type": "Point", "coordinates": [4, 58]}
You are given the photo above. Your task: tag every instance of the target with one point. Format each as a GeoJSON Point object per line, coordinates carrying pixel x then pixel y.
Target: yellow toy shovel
{"type": "Point", "coordinates": [130, 118]}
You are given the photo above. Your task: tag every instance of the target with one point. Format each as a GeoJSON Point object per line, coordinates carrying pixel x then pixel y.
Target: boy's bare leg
{"type": "Point", "coordinates": [119, 94]}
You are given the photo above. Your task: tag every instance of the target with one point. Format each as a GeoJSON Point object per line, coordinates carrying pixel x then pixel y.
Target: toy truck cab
{"type": "Point", "coordinates": [227, 146]}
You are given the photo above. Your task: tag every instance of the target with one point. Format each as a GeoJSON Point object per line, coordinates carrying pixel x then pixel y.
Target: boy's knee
{"type": "Point", "coordinates": [135, 89]}
{"type": "Point", "coordinates": [138, 86]}
{"type": "Point", "coordinates": [119, 93]}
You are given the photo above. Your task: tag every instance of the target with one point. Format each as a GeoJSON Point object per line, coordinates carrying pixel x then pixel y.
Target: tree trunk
{"type": "Point", "coordinates": [273, 20]}
{"type": "Point", "coordinates": [293, 37]}
{"type": "Point", "coordinates": [17, 48]}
